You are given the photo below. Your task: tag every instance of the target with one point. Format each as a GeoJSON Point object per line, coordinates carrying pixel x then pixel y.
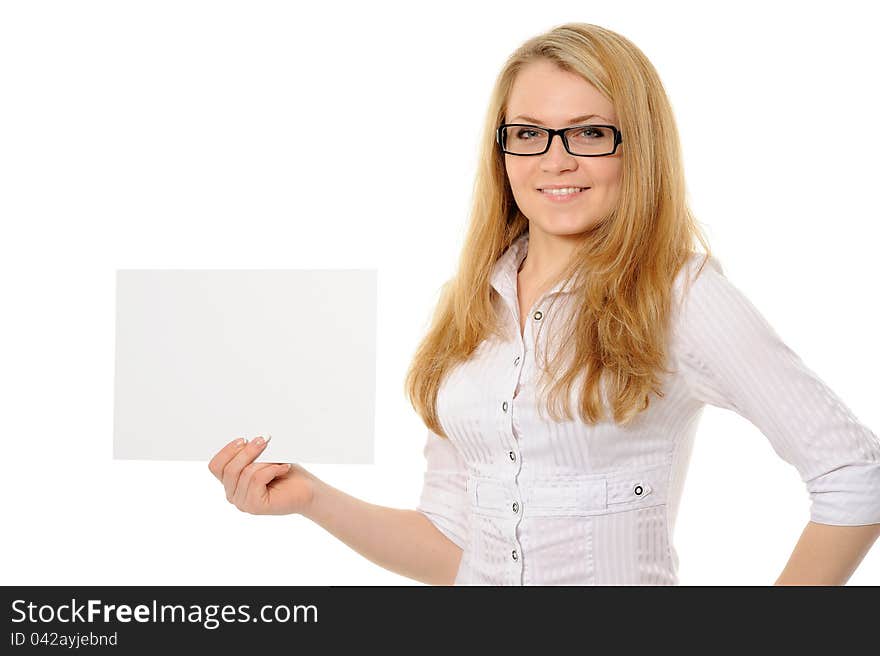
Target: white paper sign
{"type": "Point", "coordinates": [205, 356]}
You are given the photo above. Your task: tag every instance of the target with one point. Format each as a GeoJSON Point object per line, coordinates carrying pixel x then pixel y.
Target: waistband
{"type": "Point", "coordinates": [577, 495]}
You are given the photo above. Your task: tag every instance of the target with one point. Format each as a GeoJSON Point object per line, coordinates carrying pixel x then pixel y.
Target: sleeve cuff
{"type": "Point", "coordinates": [847, 496]}
{"type": "Point", "coordinates": [446, 527]}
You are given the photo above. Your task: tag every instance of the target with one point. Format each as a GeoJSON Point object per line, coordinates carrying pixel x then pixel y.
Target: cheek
{"type": "Point", "coordinates": [517, 174]}
{"type": "Point", "coordinates": [611, 173]}
{"type": "Point", "coordinates": [520, 180]}
{"type": "Point", "coordinates": [609, 179]}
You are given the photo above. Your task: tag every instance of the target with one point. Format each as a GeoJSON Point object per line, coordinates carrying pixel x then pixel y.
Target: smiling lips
{"type": "Point", "coordinates": [562, 194]}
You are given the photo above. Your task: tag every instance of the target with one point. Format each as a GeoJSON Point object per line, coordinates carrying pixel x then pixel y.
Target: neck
{"type": "Point", "coordinates": [547, 255]}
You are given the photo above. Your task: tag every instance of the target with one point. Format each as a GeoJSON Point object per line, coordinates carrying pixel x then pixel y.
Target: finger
{"type": "Point", "coordinates": [244, 457]}
{"type": "Point", "coordinates": [223, 456]}
{"type": "Point", "coordinates": [245, 481]}
{"type": "Point", "coordinates": [256, 493]}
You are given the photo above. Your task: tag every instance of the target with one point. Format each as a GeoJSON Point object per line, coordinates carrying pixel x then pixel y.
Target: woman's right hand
{"type": "Point", "coordinates": [261, 488]}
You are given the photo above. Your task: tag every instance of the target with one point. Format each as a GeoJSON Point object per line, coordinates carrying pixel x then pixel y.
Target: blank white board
{"type": "Point", "coordinates": [205, 356]}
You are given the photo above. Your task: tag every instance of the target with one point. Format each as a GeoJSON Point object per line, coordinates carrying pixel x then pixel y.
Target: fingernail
{"type": "Point", "coordinates": [259, 441]}
{"type": "Point", "coordinates": [238, 442]}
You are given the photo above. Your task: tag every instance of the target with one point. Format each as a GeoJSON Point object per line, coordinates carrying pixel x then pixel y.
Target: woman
{"type": "Point", "coordinates": [578, 288]}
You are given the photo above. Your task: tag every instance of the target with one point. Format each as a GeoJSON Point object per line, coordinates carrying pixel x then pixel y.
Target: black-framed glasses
{"type": "Point", "coordinates": [580, 140]}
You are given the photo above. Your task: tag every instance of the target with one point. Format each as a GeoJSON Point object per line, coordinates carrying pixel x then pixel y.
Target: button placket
{"type": "Point", "coordinates": [516, 517]}
{"type": "Point", "coordinates": [505, 405]}
{"type": "Point", "coordinates": [515, 505]}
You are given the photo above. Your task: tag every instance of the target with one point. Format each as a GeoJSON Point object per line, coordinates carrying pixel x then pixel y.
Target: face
{"type": "Point", "coordinates": [552, 98]}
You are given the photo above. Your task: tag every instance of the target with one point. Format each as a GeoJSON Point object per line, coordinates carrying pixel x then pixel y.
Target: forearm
{"type": "Point", "coordinates": [400, 540]}
{"type": "Point", "coordinates": [828, 555]}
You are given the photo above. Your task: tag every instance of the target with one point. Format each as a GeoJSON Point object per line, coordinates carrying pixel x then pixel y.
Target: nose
{"type": "Point", "coordinates": [557, 157]}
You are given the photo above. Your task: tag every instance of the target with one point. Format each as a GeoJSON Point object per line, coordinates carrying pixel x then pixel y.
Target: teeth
{"type": "Point", "coordinates": [562, 192]}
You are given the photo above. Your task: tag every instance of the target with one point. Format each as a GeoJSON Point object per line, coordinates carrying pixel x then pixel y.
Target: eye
{"type": "Point", "coordinates": [522, 131]}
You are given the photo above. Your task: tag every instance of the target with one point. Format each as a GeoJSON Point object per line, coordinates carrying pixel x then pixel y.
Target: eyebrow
{"type": "Point", "coordinates": [576, 119]}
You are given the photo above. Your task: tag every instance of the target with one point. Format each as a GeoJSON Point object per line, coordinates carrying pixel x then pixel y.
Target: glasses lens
{"type": "Point", "coordinates": [523, 140]}
{"type": "Point", "coordinates": [590, 140]}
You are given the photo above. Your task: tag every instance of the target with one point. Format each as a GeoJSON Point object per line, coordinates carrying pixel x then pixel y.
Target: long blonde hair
{"type": "Point", "coordinates": [623, 269]}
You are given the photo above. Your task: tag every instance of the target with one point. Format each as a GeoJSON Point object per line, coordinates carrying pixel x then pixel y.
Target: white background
{"type": "Point", "coordinates": [283, 135]}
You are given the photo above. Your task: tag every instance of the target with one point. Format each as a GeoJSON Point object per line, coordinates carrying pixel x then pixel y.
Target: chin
{"type": "Point", "coordinates": [561, 227]}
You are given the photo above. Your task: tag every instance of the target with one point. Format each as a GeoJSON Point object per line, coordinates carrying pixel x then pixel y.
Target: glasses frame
{"type": "Point", "coordinates": [618, 138]}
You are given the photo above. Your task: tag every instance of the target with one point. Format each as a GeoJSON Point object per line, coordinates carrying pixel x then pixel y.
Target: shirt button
{"type": "Point", "coordinates": [512, 456]}
{"type": "Point", "coordinates": [514, 555]}
{"type": "Point", "coordinates": [516, 361]}
{"type": "Point", "coordinates": [538, 315]}
{"type": "Point", "coordinates": [638, 490]}
{"type": "Point", "coordinates": [515, 507]}
{"type": "Point", "coordinates": [504, 406]}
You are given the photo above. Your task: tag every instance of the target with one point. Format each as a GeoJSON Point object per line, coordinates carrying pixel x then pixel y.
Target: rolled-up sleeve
{"type": "Point", "coordinates": [444, 498]}
{"type": "Point", "coordinates": [732, 358]}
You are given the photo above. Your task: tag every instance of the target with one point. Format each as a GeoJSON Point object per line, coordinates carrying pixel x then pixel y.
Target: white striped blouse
{"type": "Point", "coordinates": [534, 502]}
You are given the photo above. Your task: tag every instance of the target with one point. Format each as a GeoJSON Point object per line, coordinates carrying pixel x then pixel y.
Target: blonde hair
{"type": "Point", "coordinates": [623, 269]}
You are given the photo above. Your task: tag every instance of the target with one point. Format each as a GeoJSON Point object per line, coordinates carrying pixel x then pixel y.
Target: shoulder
{"type": "Point", "coordinates": [712, 308]}
{"type": "Point", "coordinates": [699, 274]}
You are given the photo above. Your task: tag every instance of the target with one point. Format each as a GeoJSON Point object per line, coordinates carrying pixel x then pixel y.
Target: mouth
{"type": "Point", "coordinates": [560, 195]}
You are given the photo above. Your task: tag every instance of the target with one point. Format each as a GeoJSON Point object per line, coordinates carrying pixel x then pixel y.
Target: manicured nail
{"type": "Point", "coordinates": [259, 441]}
{"type": "Point", "coordinates": [238, 442]}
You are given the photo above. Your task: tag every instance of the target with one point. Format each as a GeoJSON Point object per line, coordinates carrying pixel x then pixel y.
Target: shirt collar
{"type": "Point", "coordinates": [504, 275]}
